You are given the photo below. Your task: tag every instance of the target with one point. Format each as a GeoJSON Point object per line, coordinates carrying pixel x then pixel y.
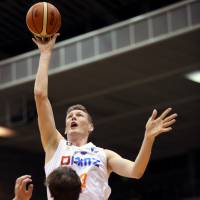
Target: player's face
{"type": "Point", "coordinates": [77, 122]}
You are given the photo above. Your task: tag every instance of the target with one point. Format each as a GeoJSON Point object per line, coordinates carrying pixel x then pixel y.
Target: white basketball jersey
{"type": "Point", "coordinates": [89, 162]}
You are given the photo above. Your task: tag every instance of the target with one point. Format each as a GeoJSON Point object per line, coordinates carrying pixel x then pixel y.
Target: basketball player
{"type": "Point", "coordinates": [93, 164]}
{"type": "Point", "coordinates": [62, 182]}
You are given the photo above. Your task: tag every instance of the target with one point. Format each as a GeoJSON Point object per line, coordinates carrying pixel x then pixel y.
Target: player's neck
{"type": "Point", "coordinates": [77, 140]}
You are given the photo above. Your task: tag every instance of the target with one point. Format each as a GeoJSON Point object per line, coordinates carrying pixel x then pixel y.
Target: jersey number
{"type": "Point", "coordinates": [83, 178]}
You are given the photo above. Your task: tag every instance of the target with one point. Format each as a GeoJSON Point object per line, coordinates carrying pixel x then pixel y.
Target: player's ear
{"type": "Point", "coordinates": [91, 128]}
{"type": "Point", "coordinates": [65, 131]}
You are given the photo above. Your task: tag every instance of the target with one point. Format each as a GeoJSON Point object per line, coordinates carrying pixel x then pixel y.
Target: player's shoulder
{"type": "Point", "coordinates": [110, 153]}
{"type": "Point", "coordinates": [107, 152]}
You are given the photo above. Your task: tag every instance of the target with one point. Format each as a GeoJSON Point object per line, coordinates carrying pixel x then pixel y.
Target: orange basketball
{"type": "Point", "coordinates": [43, 19]}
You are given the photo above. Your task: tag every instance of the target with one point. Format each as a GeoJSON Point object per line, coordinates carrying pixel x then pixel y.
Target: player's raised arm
{"type": "Point", "coordinates": [154, 127]}
{"type": "Point", "coordinates": [49, 134]}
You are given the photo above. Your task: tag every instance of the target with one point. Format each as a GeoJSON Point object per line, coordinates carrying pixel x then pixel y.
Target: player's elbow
{"type": "Point", "coordinates": [137, 175]}
{"type": "Point", "coordinates": [39, 94]}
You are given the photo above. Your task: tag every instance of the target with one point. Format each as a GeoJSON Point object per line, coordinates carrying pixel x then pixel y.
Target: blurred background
{"type": "Point", "coordinates": [121, 59]}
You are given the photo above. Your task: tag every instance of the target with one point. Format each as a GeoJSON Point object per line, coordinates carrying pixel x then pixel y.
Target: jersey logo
{"type": "Point", "coordinates": [81, 162]}
{"type": "Point", "coordinates": [94, 150]}
{"type": "Point", "coordinates": [83, 152]}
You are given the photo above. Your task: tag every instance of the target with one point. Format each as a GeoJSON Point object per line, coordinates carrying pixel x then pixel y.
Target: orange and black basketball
{"type": "Point", "coordinates": [43, 19]}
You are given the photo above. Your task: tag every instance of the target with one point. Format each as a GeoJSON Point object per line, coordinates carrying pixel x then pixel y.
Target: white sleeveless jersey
{"type": "Point", "coordinates": [89, 162]}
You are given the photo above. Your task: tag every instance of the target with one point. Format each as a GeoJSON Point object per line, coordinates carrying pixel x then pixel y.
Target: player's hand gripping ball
{"type": "Point", "coordinates": [43, 19]}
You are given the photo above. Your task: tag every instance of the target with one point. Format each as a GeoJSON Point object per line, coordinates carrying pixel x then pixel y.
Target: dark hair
{"type": "Point", "coordinates": [64, 183]}
{"type": "Point", "coordinates": [80, 107]}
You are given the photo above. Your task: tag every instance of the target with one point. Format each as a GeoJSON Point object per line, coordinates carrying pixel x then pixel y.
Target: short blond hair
{"type": "Point", "coordinates": [80, 107]}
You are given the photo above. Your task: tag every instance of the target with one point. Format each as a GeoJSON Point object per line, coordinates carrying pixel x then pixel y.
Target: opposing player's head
{"type": "Point", "coordinates": [78, 121]}
{"type": "Point", "coordinates": [64, 183]}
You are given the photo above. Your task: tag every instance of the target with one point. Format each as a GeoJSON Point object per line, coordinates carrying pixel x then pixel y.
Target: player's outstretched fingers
{"type": "Point", "coordinates": [165, 130]}
{"type": "Point", "coordinates": [169, 123]}
{"type": "Point", "coordinates": [154, 114]}
{"type": "Point", "coordinates": [37, 40]}
{"type": "Point", "coordinates": [34, 40]}
{"type": "Point", "coordinates": [169, 118]}
{"type": "Point", "coordinates": [54, 37]}
{"type": "Point", "coordinates": [165, 113]}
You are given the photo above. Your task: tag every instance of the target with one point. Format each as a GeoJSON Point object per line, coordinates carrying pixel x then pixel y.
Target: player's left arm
{"type": "Point", "coordinates": [154, 127]}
